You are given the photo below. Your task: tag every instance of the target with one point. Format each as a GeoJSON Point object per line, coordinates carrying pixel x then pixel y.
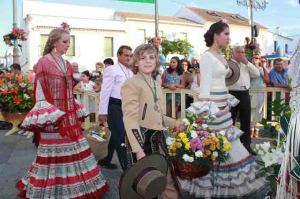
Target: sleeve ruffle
{"type": "Point", "coordinates": [42, 114]}
{"type": "Point", "coordinates": [81, 110]}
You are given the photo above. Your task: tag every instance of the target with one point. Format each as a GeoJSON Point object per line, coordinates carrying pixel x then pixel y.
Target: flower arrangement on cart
{"type": "Point", "coordinates": [196, 147]}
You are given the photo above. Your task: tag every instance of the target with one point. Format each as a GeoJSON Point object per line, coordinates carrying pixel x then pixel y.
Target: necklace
{"type": "Point", "coordinates": [64, 68]}
{"type": "Point", "coordinates": [153, 91]}
{"type": "Point", "coordinates": [126, 75]}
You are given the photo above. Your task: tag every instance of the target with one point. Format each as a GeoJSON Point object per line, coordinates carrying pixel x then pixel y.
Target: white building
{"type": "Point", "coordinates": [98, 32]}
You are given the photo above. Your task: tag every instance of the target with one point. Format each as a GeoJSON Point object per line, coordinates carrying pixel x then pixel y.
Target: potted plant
{"type": "Point", "coordinates": [16, 98]}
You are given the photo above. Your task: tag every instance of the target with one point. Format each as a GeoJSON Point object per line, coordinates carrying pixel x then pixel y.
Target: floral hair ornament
{"type": "Point", "coordinates": [65, 26]}
{"type": "Point", "coordinates": [224, 20]}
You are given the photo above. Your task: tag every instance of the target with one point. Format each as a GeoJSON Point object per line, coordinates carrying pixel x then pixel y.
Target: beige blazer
{"type": "Point", "coordinates": [138, 110]}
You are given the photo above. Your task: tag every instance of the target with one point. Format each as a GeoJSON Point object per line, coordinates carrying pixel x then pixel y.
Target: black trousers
{"type": "Point", "coordinates": [243, 110]}
{"type": "Point", "coordinates": [116, 126]}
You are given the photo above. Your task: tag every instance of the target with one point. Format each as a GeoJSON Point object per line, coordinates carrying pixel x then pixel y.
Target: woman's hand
{"type": "Point", "coordinates": [140, 155]}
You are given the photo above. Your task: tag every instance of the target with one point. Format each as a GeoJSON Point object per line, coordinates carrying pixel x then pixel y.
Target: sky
{"type": "Point", "coordinates": [278, 13]}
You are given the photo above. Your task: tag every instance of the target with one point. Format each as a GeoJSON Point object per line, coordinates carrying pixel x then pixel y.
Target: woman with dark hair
{"type": "Point", "coordinates": [173, 78]}
{"type": "Point", "coordinates": [64, 166]}
{"type": "Point", "coordinates": [236, 177]}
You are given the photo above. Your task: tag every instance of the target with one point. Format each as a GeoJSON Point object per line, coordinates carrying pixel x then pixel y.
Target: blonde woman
{"type": "Point", "coordinates": [64, 166]}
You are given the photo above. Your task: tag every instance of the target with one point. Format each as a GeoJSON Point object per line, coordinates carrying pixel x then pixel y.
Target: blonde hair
{"type": "Point", "coordinates": [53, 37]}
{"type": "Point", "coordinates": [138, 52]}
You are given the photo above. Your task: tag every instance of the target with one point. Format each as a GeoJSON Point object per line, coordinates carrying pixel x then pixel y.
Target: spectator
{"type": "Point", "coordinates": [195, 63]}
{"type": "Point", "coordinates": [240, 90]}
{"type": "Point", "coordinates": [97, 79]}
{"type": "Point", "coordinates": [189, 78]}
{"type": "Point", "coordinates": [108, 62]}
{"type": "Point", "coordinates": [173, 78]}
{"type": "Point", "coordinates": [99, 67]}
{"type": "Point", "coordinates": [76, 74]}
{"type": "Point", "coordinates": [258, 82]}
{"type": "Point", "coordinates": [278, 75]}
{"type": "Point", "coordinates": [85, 83]}
{"type": "Point", "coordinates": [16, 68]}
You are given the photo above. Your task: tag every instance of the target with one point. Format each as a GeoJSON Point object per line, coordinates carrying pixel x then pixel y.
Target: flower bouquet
{"type": "Point", "coordinates": [196, 147]}
{"type": "Point", "coordinates": [16, 34]}
{"type": "Point", "coordinates": [16, 93]}
{"type": "Point", "coordinates": [16, 99]}
{"type": "Point", "coordinates": [270, 157]}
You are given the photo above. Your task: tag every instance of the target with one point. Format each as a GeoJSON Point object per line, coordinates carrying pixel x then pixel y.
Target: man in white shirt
{"type": "Point", "coordinates": [241, 91]}
{"type": "Point", "coordinates": [110, 109]}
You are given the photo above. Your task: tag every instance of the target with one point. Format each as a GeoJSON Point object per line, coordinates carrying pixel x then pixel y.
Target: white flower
{"type": "Point", "coordinates": [265, 146]}
{"type": "Point", "coordinates": [26, 96]}
{"type": "Point", "coordinates": [198, 154]}
{"type": "Point", "coordinates": [186, 121]}
{"type": "Point", "coordinates": [194, 124]}
{"type": "Point", "coordinates": [213, 134]}
{"type": "Point", "coordinates": [204, 126]}
{"type": "Point", "coordinates": [185, 157]}
{"type": "Point", "coordinates": [268, 159]}
{"type": "Point", "coordinates": [23, 85]}
{"type": "Point", "coordinates": [215, 153]}
{"type": "Point", "coordinates": [194, 134]}
{"type": "Point", "coordinates": [170, 141]}
{"type": "Point", "coordinates": [222, 133]}
{"type": "Point", "coordinates": [260, 152]}
{"type": "Point", "coordinates": [191, 159]}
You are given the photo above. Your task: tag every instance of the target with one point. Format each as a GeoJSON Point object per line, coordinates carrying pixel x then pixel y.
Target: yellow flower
{"type": "Point", "coordinates": [187, 146]}
{"type": "Point", "coordinates": [212, 147]}
{"type": "Point", "coordinates": [178, 145]}
{"type": "Point", "coordinates": [185, 140]}
{"type": "Point", "coordinates": [227, 146]}
{"type": "Point", "coordinates": [277, 127]}
{"type": "Point", "coordinates": [182, 135]}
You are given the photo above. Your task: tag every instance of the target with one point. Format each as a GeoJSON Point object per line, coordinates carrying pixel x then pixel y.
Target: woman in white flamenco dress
{"type": "Point", "coordinates": [288, 186]}
{"type": "Point", "coordinates": [237, 177]}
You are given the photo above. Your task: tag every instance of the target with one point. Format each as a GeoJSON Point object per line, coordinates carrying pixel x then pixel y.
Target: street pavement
{"type": "Point", "coordinates": [17, 153]}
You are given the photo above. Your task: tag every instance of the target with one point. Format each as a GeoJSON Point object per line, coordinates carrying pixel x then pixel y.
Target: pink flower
{"type": "Point", "coordinates": [202, 133]}
{"type": "Point", "coordinates": [196, 143]}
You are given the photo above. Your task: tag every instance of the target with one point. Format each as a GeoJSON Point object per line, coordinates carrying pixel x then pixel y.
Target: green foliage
{"type": "Point", "coordinates": [179, 46]}
{"type": "Point", "coordinates": [228, 51]}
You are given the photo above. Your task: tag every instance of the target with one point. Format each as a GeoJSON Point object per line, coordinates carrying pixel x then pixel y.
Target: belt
{"type": "Point", "coordinates": [115, 101]}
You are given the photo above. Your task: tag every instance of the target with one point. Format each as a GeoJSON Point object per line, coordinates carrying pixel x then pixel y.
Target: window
{"type": "Point", "coordinates": [286, 48]}
{"type": "Point", "coordinates": [275, 46]}
{"type": "Point", "coordinates": [108, 46]}
{"type": "Point", "coordinates": [71, 50]}
{"type": "Point", "coordinates": [183, 36]}
{"type": "Point", "coordinates": [141, 36]}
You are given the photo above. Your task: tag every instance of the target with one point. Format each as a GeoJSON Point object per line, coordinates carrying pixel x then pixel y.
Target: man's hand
{"type": "Point", "coordinates": [244, 60]}
{"type": "Point", "coordinates": [140, 155]}
{"type": "Point", "coordinates": [102, 119]}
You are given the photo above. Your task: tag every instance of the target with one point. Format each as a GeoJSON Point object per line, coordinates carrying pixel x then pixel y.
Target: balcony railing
{"type": "Point", "coordinates": [269, 94]}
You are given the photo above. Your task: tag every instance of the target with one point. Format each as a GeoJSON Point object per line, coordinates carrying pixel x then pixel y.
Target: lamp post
{"type": "Point", "coordinates": [156, 19]}
{"type": "Point", "coordinates": [16, 50]}
{"type": "Point", "coordinates": [253, 4]}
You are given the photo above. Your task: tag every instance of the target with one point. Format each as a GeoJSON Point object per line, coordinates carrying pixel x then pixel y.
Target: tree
{"type": "Point", "coordinates": [179, 46]}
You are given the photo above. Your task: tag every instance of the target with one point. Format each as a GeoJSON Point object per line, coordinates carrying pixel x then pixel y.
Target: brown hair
{"type": "Point", "coordinates": [145, 48]}
{"type": "Point", "coordinates": [120, 50]}
{"type": "Point", "coordinates": [53, 37]}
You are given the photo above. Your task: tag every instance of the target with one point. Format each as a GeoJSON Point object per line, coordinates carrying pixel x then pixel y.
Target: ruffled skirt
{"type": "Point", "coordinates": [63, 169]}
{"type": "Point", "coordinates": [235, 178]}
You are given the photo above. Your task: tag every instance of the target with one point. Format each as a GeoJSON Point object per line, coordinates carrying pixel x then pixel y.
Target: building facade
{"type": "Point", "coordinates": [97, 33]}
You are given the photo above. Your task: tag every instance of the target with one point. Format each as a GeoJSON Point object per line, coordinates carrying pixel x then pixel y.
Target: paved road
{"type": "Point", "coordinates": [17, 153]}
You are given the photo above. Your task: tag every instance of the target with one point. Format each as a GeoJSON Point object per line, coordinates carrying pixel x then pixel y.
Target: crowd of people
{"type": "Point", "coordinates": [130, 102]}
